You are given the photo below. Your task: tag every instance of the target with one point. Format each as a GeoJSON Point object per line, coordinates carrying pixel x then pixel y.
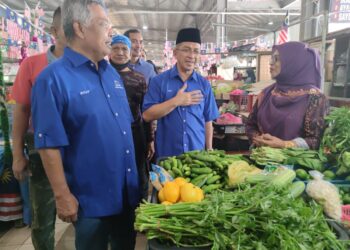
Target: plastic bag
{"type": "Point", "coordinates": [163, 175]}
{"type": "Point", "coordinates": [325, 194]}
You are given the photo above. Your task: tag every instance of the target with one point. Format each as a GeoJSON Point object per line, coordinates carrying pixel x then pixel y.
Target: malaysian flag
{"type": "Point", "coordinates": [283, 35]}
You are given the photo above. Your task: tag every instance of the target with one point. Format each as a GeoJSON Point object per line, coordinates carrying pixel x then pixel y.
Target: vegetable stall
{"type": "Point", "coordinates": [270, 199]}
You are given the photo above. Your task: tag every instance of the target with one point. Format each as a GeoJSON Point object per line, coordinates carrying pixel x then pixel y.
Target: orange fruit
{"type": "Point", "coordinates": [180, 181]}
{"type": "Point", "coordinates": [191, 193]}
{"type": "Point", "coordinates": [161, 196]}
{"type": "Point", "coordinates": [166, 203]}
{"type": "Point", "coordinates": [200, 194]}
{"type": "Point", "coordinates": [171, 191]}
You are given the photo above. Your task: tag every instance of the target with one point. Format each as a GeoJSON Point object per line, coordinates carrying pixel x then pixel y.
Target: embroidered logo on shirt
{"type": "Point", "coordinates": [118, 85]}
{"type": "Point", "coordinates": [84, 92]}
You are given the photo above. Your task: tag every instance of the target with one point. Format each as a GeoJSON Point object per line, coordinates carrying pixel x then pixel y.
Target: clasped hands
{"type": "Point", "coordinates": [269, 141]}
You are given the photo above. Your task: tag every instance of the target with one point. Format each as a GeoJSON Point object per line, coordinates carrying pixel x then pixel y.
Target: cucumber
{"type": "Point", "coordinates": [302, 174]}
{"type": "Point", "coordinates": [211, 187]}
{"type": "Point", "coordinates": [174, 163]}
{"type": "Point", "coordinates": [200, 163]}
{"type": "Point", "coordinates": [206, 158]}
{"type": "Point", "coordinates": [167, 165]}
{"type": "Point", "coordinates": [296, 189]}
{"type": "Point", "coordinates": [177, 172]}
{"type": "Point", "coordinates": [213, 179]}
{"type": "Point", "coordinates": [201, 170]}
{"type": "Point", "coordinates": [187, 173]}
{"type": "Point", "coordinates": [179, 164]}
{"type": "Point", "coordinates": [328, 175]}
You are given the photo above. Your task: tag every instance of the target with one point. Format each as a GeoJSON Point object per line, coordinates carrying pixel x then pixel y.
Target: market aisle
{"type": "Point", "coordinates": [19, 238]}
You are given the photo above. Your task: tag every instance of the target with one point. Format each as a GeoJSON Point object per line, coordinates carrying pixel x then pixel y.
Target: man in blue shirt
{"type": "Point", "coordinates": [182, 101]}
{"type": "Point", "coordinates": [82, 121]}
{"type": "Point", "coordinates": [136, 62]}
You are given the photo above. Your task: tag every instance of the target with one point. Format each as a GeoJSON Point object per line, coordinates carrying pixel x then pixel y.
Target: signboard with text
{"type": "Point", "coordinates": [340, 11]}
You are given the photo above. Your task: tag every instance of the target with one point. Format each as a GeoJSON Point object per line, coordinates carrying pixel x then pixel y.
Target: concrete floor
{"type": "Point", "coordinates": [20, 239]}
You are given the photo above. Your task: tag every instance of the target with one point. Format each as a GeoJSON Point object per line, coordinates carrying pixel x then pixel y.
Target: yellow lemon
{"type": "Point", "coordinates": [171, 191]}
{"type": "Point", "coordinates": [180, 181]}
{"type": "Point", "coordinates": [161, 196]}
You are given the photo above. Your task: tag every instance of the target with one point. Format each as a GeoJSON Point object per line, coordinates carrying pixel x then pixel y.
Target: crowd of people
{"type": "Point", "coordinates": [92, 125]}
{"type": "Point", "coordinates": [89, 124]}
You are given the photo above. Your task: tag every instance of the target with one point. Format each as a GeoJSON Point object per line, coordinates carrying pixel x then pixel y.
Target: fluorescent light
{"type": "Point", "coordinates": [270, 23]}
{"type": "Point", "coordinates": [144, 27]}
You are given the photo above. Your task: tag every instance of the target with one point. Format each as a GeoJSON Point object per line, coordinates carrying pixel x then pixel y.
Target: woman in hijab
{"type": "Point", "coordinates": [290, 113]}
{"type": "Point", "coordinates": [135, 87]}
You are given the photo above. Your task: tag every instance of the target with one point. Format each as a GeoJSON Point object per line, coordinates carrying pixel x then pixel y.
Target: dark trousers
{"type": "Point", "coordinates": [140, 146]}
{"type": "Point", "coordinates": [95, 233]}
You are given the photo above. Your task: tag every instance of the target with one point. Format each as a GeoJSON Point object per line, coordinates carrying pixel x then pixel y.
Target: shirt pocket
{"type": "Point", "coordinates": [197, 110]}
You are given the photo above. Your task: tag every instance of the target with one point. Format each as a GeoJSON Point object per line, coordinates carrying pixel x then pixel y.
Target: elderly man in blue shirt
{"type": "Point", "coordinates": [136, 62]}
{"type": "Point", "coordinates": [182, 101]}
{"type": "Point", "coordinates": [82, 128]}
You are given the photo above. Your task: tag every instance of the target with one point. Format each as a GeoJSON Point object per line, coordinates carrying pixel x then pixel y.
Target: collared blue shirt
{"type": "Point", "coordinates": [183, 129]}
{"type": "Point", "coordinates": [145, 68]}
{"type": "Point", "coordinates": [85, 112]}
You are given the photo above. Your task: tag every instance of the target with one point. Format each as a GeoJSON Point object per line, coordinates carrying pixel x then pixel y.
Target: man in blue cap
{"type": "Point", "coordinates": [182, 101]}
{"type": "Point", "coordinates": [135, 86]}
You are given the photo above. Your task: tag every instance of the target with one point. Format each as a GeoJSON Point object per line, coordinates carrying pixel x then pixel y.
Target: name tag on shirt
{"type": "Point", "coordinates": [84, 92]}
{"type": "Point", "coordinates": [118, 85]}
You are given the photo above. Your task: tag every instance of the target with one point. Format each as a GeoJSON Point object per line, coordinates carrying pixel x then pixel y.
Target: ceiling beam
{"type": "Point", "coordinates": [242, 27]}
{"type": "Point", "coordinates": [286, 3]}
{"type": "Point", "coordinates": [125, 27]}
{"type": "Point", "coordinates": [179, 12]}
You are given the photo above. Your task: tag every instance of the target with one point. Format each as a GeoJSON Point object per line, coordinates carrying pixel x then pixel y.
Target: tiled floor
{"type": "Point", "coordinates": [19, 238]}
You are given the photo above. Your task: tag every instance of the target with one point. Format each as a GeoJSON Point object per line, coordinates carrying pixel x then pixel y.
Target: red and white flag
{"type": "Point", "coordinates": [283, 36]}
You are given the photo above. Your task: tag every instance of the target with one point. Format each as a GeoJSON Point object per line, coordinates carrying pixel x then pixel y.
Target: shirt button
{"type": "Point", "coordinates": [129, 170]}
{"type": "Point", "coordinates": [183, 109]}
{"type": "Point", "coordinates": [116, 114]}
{"type": "Point", "coordinates": [127, 151]}
{"type": "Point", "coordinates": [108, 96]}
{"type": "Point", "coordinates": [40, 135]}
{"type": "Point", "coordinates": [124, 132]}
{"type": "Point", "coordinates": [185, 145]}
{"type": "Point", "coordinates": [184, 121]}
{"type": "Point", "coordinates": [92, 65]}
{"type": "Point", "coordinates": [184, 132]}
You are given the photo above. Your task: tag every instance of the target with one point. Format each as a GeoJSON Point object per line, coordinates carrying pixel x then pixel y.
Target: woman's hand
{"type": "Point", "coordinates": [268, 140]}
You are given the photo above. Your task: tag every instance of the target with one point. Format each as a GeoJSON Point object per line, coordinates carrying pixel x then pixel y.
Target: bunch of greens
{"type": "Point", "coordinates": [258, 217]}
{"type": "Point", "coordinates": [309, 159]}
{"type": "Point", "coordinates": [335, 143]}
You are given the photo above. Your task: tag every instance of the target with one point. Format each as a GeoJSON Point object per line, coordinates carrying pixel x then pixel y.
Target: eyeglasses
{"type": "Point", "coordinates": [103, 25]}
{"type": "Point", "coordinates": [189, 51]}
{"type": "Point", "coordinates": [274, 59]}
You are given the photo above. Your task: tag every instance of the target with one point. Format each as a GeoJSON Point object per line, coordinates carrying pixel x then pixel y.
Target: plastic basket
{"type": "Point", "coordinates": [244, 102]}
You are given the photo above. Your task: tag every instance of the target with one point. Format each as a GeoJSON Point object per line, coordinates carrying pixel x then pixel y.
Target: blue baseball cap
{"type": "Point", "coordinates": [121, 39]}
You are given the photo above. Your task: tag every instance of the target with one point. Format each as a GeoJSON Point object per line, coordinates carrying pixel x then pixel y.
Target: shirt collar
{"type": "Point", "coordinates": [175, 73]}
{"type": "Point", "coordinates": [49, 54]}
{"type": "Point", "coordinates": [139, 62]}
{"type": "Point", "coordinates": [78, 59]}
